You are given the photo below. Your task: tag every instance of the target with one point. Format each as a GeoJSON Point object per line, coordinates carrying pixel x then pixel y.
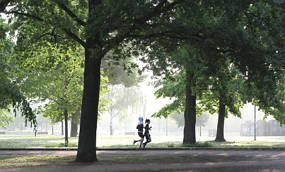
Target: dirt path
{"type": "Point", "coordinates": [165, 160]}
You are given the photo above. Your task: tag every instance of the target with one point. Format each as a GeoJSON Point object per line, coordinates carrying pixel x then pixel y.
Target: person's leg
{"type": "Point", "coordinates": [141, 143]}
{"type": "Point", "coordinates": [148, 139]}
{"type": "Point", "coordinates": [140, 135]}
{"type": "Point", "coordinates": [141, 140]}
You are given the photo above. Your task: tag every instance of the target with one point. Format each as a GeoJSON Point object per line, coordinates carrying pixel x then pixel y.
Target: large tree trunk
{"type": "Point", "coordinates": [221, 121]}
{"type": "Point", "coordinates": [89, 111]}
{"type": "Point", "coordinates": [74, 124]}
{"type": "Point", "coordinates": [190, 111]}
{"type": "Point", "coordinates": [66, 127]}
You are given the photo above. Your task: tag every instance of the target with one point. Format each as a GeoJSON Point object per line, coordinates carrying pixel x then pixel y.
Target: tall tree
{"type": "Point", "coordinates": [223, 33]}
{"type": "Point", "coordinates": [98, 26]}
{"type": "Point", "coordinates": [10, 92]}
{"type": "Point", "coordinates": [58, 85]}
{"type": "Point", "coordinates": [102, 25]}
{"type": "Point", "coordinates": [264, 20]}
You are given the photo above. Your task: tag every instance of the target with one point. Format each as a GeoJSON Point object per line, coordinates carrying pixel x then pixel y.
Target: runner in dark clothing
{"type": "Point", "coordinates": [146, 132]}
{"type": "Point", "coordinates": [140, 132]}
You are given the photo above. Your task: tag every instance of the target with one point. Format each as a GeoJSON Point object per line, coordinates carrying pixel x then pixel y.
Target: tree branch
{"type": "Point", "coordinates": [25, 15]}
{"type": "Point", "coordinates": [46, 34]}
{"type": "Point", "coordinates": [67, 31]}
{"type": "Point", "coordinates": [4, 4]}
{"type": "Point", "coordinates": [74, 37]}
{"type": "Point", "coordinates": [112, 43]}
{"type": "Point", "coordinates": [69, 12]}
{"type": "Point", "coordinates": [167, 34]}
{"type": "Point", "coordinates": [157, 10]}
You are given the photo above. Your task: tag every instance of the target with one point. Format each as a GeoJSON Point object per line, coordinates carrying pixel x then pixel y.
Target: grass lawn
{"type": "Point", "coordinates": [17, 141]}
{"type": "Point", "coordinates": [34, 160]}
{"type": "Point", "coordinates": [116, 142]}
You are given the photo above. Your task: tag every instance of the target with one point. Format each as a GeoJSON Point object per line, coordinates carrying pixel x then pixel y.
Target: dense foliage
{"type": "Point", "coordinates": [220, 42]}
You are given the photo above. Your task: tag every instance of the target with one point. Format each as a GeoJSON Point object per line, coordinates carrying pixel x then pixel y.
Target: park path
{"type": "Point", "coordinates": [166, 160]}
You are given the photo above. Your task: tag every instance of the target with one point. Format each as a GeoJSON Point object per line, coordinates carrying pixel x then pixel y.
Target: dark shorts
{"type": "Point", "coordinates": [141, 135]}
{"type": "Point", "coordinates": [147, 136]}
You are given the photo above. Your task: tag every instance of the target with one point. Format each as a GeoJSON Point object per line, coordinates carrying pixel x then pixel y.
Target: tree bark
{"type": "Point", "coordinates": [66, 128]}
{"type": "Point", "coordinates": [74, 124]}
{"type": "Point", "coordinates": [89, 111]}
{"type": "Point", "coordinates": [90, 101]}
{"type": "Point", "coordinates": [190, 111]}
{"type": "Point", "coordinates": [221, 121]}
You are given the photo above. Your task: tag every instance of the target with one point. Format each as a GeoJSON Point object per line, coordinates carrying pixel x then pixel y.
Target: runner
{"type": "Point", "coordinates": [140, 132]}
{"type": "Point", "coordinates": [146, 132]}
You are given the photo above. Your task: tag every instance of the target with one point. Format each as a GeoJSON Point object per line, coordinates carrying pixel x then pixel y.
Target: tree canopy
{"type": "Point", "coordinates": [153, 30]}
{"type": "Point", "coordinates": [11, 95]}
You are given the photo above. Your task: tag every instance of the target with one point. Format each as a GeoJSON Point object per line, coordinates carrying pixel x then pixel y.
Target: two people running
{"type": "Point", "coordinates": [142, 134]}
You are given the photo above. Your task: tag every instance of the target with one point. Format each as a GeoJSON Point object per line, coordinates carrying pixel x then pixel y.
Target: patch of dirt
{"type": "Point", "coordinates": [165, 160]}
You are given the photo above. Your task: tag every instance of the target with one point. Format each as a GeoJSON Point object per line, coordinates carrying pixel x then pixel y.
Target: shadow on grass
{"type": "Point", "coordinates": [35, 160]}
{"type": "Point", "coordinates": [198, 144]}
{"type": "Point", "coordinates": [28, 141]}
{"type": "Point", "coordinates": [208, 144]}
{"type": "Point", "coordinates": [164, 145]}
{"type": "Point", "coordinates": [71, 145]}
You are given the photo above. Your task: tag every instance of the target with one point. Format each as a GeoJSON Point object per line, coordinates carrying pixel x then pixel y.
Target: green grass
{"type": "Point", "coordinates": [34, 160]}
{"type": "Point", "coordinates": [60, 145]}
{"type": "Point", "coordinates": [248, 144]}
{"type": "Point", "coordinates": [198, 144]}
{"type": "Point", "coordinates": [32, 142]}
{"type": "Point", "coordinates": [113, 142]}
{"type": "Point", "coordinates": [210, 144]}
{"type": "Point", "coordinates": [17, 141]}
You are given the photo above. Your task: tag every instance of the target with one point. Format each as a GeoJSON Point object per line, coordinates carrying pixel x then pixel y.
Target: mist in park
{"type": "Point", "coordinates": [142, 85]}
{"type": "Point", "coordinates": [127, 104]}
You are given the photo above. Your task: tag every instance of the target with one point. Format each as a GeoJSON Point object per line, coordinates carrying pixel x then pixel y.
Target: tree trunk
{"type": "Point", "coordinates": [190, 112]}
{"type": "Point", "coordinates": [221, 121]}
{"type": "Point", "coordinates": [89, 111]}
{"type": "Point", "coordinates": [74, 124]}
{"type": "Point", "coordinates": [66, 127]}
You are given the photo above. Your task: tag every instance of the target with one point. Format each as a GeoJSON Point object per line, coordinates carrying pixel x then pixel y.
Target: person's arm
{"type": "Point", "coordinates": [146, 127]}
